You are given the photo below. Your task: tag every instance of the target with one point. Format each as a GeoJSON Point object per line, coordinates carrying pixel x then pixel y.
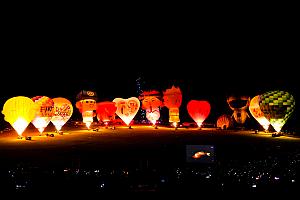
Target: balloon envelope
{"type": "Point", "coordinates": [239, 104]}
{"type": "Point", "coordinates": [86, 100]}
{"type": "Point", "coordinates": [44, 112]}
{"type": "Point", "coordinates": [172, 100]}
{"type": "Point", "coordinates": [150, 100]}
{"type": "Point", "coordinates": [151, 103]}
{"type": "Point", "coordinates": [153, 115]}
{"type": "Point", "coordinates": [172, 97]}
{"type": "Point", "coordinates": [127, 108]}
{"type": "Point", "coordinates": [88, 118]}
{"type": "Point", "coordinates": [277, 107]}
{"type": "Point", "coordinates": [224, 121]}
{"type": "Point", "coordinates": [198, 110]}
{"type": "Point", "coordinates": [106, 111]}
{"type": "Point", "coordinates": [63, 111]}
{"type": "Point", "coordinates": [257, 113]}
{"type": "Point", "coordinates": [86, 94]}
{"type": "Point", "coordinates": [86, 108]}
{"type": "Point", "coordinates": [19, 112]}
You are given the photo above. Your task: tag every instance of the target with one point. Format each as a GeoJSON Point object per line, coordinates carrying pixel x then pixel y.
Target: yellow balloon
{"type": "Point", "coordinates": [19, 112]}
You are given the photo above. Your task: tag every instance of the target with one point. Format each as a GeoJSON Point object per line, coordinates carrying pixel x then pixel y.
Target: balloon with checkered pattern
{"type": "Point", "coordinates": [277, 107]}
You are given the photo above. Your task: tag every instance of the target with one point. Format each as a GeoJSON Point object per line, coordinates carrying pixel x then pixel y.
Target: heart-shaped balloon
{"type": "Point", "coordinates": [127, 108]}
{"type": "Point", "coordinates": [277, 106]}
{"type": "Point", "coordinates": [198, 110]}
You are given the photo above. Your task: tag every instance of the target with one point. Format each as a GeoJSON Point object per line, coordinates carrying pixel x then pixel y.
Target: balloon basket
{"type": "Point", "coordinates": [277, 134]}
{"type": "Point", "coordinates": [20, 137]}
{"type": "Point", "coordinates": [28, 138]}
{"type": "Point", "coordinates": [50, 135]}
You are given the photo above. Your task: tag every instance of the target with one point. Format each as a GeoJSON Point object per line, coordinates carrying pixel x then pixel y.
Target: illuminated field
{"type": "Point", "coordinates": [107, 146]}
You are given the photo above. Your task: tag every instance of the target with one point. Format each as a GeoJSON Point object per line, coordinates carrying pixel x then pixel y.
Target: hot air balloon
{"type": "Point", "coordinates": [86, 103]}
{"type": "Point", "coordinates": [239, 105]}
{"type": "Point", "coordinates": [277, 107]}
{"type": "Point", "coordinates": [127, 108]}
{"type": "Point", "coordinates": [19, 112]}
{"type": "Point", "coordinates": [63, 111]}
{"type": "Point", "coordinates": [172, 100]}
{"type": "Point", "coordinates": [224, 121]}
{"type": "Point", "coordinates": [198, 110]}
{"type": "Point", "coordinates": [106, 111]}
{"type": "Point", "coordinates": [257, 113]}
{"type": "Point", "coordinates": [44, 112]}
{"type": "Point", "coordinates": [151, 103]}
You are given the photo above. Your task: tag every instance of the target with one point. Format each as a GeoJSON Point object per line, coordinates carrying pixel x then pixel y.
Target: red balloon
{"type": "Point", "coordinates": [198, 110]}
{"type": "Point", "coordinates": [106, 111]}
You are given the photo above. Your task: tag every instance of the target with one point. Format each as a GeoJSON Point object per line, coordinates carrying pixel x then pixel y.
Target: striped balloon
{"type": "Point", "coordinates": [224, 122]}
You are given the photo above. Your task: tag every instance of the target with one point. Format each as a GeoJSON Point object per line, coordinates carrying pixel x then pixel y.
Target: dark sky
{"type": "Point", "coordinates": [226, 53]}
{"type": "Point", "coordinates": [209, 57]}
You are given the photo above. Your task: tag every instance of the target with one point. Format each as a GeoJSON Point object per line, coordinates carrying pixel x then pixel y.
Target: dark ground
{"type": "Point", "coordinates": [150, 160]}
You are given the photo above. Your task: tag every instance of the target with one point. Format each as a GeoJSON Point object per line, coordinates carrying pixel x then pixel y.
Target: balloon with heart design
{"type": "Point", "coordinates": [198, 110]}
{"type": "Point", "coordinates": [127, 108]}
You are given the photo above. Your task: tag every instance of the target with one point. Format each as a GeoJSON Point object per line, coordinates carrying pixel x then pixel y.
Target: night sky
{"type": "Point", "coordinates": [208, 59]}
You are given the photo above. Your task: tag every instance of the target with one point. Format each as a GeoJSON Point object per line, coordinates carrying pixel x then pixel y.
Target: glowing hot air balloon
{"type": "Point", "coordinates": [257, 113]}
{"type": "Point", "coordinates": [151, 103]}
{"type": "Point", "coordinates": [63, 111]}
{"type": "Point", "coordinates": [106, 111]}
{"type": "Point", "coordinates": [127, 108]}
{"type": "Point", "coordinates": [198, 110]}
{"type": "Point", "coordinates": [277, 107]}
{"type": "Point", "coordinates": [239, 105]}
{"type": "Point", "coordinates": [86, 103]}
{"type": "Point", "coordinates": [19, 112]}
{"type": "Point", "coordinates": [172, 100]}
{"type": "Point", "coordinates": [44, 112]}
{"type": "Point", "coordinates": [224, 121]}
